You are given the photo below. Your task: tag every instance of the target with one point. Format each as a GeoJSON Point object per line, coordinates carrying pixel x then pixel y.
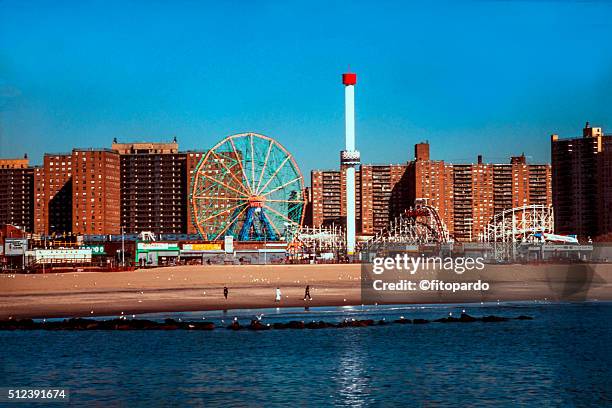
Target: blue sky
{"type": "Point", "coordinates": [490, 77]}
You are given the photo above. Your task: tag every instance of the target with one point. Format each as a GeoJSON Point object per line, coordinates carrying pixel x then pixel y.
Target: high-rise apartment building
{"type": "Point", "coordinates": [432, 180]}
{"type": "Point", "coordinates": [96, 184]}
{"type": "Point", "coordinates": [326, 197]}
{"type": "Point", "coordinates": [604, 202]}
{"type": "Point", "coordinates": [53, 194]}
{"type": "Point", "coordinates": [581, 179]}
{"type": "Point", "coordinates": [16, 188]}
{"type": "Point", "coordinates": [153, 187]}
{"type": "Point", "coordinates": [381, 195]}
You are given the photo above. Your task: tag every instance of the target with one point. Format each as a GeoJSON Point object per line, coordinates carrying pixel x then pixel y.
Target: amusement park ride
{"type": "Point", "coordinates": [526, 223]}
{"type": "Point", "coordinates": [419, 225]}
{"type": "Point", "coordinates": [247, 186]}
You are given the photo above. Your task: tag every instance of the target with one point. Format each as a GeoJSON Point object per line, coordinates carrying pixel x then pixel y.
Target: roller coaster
{"type": "Point", "coordinates": [419, 225]}
{"type": "Point", "coordinates": [520, 224]}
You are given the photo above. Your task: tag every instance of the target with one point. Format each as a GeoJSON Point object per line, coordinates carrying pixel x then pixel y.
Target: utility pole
{"type": "Point", "coordinates": [122, 248]}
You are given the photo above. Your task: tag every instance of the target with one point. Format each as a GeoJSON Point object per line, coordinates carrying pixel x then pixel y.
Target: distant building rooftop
{"type": "Point", "coordinates": [587, 132]}
{"type": "Point", "coordinates": [14, 163]}
{"type": "Point", "coordinates": [145, 147]}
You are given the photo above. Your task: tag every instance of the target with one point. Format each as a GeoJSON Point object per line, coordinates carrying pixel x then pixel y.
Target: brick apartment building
{"type": "Point", "coordinates": [156, 186]}
{"type": "Point", "coordinates": [53, 194]}
{"type": "Point", "coordinates": [327, 201]}
{"type": "Point", "coordinates": [431, 179]}
{"type": "Point", "coordinates": [582, 184]}
{"type": "Point", "coordinates": [604, 202]}
{"type": "Point", "coordinates": [153, 187]}
{"type": "Point", "coordinates": [381, 193]}
{"type": "Point", "coordinates": [16, 193]}
{"type": "Point", "coordinates": [96, 187]}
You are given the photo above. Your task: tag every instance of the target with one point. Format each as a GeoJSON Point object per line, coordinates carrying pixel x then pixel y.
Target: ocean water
{"type": "Point", "coordinates": [561, 358]}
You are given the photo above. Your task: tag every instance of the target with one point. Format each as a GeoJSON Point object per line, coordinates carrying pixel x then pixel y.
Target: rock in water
{"type": "Point", "coordinates": [234, 326]}
{"type": "Point", "coordinates": [257, 325]}
{"type": "Point", "coordinates": [466, 318]}
{"type": "Point", "coordinates": [420, 321]}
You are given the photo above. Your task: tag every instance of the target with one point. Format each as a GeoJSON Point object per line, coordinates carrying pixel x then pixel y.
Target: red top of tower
{"type": "Point", "coordinates": [349, 78]}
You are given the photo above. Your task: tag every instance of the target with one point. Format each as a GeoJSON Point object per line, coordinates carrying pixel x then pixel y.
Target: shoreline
{"type": "Point", "coordinates": [200, 288]}
{"type": "Point", "coordinates": [176, 289]}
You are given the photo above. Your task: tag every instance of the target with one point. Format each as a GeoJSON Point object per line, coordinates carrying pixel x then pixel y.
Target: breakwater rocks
{"type": "Point", "coordinates": [255, 325]}
{"type": "Point", "coordinates": [114, 324]}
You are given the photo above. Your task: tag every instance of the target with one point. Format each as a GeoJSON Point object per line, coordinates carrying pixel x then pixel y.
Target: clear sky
{"type": "Point", "coordinates": [490, 77]}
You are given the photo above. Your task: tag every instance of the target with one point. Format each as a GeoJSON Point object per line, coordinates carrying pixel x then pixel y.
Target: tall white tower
{"type": "Point", "coordinates": [350, 158]}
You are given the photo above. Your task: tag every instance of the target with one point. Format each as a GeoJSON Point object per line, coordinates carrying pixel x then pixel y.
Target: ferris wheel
{"type": "Point", "coordinates": [247, 186]}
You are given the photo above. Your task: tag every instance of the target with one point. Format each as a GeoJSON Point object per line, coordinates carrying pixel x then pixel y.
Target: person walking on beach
{"type": "Point", "coordinates": [225, 292]}
{"type": "Point", "coordinates": [278, 295]}
{"type": "Point", "coordinates": [307, 293]}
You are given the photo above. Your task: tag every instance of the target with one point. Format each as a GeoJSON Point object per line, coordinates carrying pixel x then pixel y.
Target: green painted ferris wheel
{"type": "Point", "coordinates": [247, 186]}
